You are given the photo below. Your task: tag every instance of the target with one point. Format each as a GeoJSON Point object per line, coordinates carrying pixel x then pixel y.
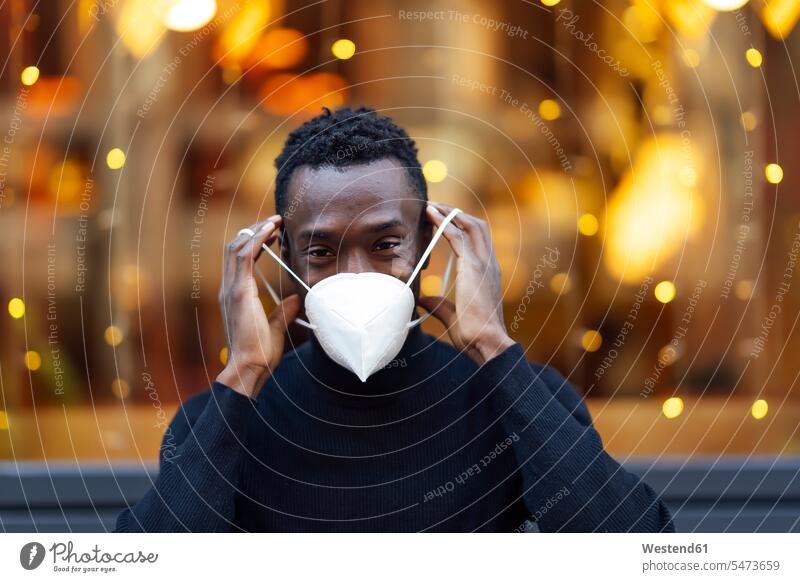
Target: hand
{"type": "Point", "coordinates": [475, 321]}
{"type": "Point", "coordinates": [255, 341]}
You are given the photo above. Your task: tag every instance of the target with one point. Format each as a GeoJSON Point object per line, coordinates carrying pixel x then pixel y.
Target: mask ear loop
{"type": "Point", "coordinates": [272, 293]}
{"type": "Point", "coordinates": [448, 269]}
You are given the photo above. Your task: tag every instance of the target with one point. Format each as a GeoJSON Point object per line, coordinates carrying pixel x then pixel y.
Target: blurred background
{"type": "Point", "coordinates": [634, 158]}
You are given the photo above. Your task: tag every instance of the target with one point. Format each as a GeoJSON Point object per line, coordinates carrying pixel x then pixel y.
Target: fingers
{"type": "Point", "coordinates": [284, 314]}
{"type": "Point", "coordinates": [243, 250]}
{"type": "Point", "coordinates": [240, 253]}
{"type": "Point", "coordinates": [454, 236]}
{"type": "Point", "coordinates": [251, 249]}
{"type": "Point", "coordinates": [475, 228]}
{"type": "Point", "coordinates": [442, 309]}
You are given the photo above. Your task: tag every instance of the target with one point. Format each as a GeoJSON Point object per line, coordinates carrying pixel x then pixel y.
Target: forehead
{"type": "Point", "coordinates": [328, 194]}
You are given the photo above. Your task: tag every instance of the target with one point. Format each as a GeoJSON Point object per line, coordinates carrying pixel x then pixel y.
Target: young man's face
{"type": "Point", "coordinates": [354, 219]}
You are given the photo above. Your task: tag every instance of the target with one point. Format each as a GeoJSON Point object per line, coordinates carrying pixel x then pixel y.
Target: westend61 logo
{"type": "Point", "coordinates": [66, 559]}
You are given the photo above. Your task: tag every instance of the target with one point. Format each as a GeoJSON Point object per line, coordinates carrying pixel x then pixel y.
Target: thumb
{"type": "Point", "coordinates": [284, 314]}
{"type": "Point", "coordinates": [442, 309]}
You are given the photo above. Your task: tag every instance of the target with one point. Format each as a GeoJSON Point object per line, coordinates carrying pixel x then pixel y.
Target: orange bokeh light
{"type": "Point", "coordinates": [279, 48]}
{"type": "Point", "coordinates": [287, 94]}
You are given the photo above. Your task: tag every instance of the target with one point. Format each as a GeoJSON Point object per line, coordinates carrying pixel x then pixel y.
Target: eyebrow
{"type": "Point", "coordinates": [326, 234]}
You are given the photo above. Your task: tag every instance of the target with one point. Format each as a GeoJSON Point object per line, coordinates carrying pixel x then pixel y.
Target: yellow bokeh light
{"type": "Point", "coordinates": [744, 289]}
{"type": "Point", "coordinates": [3, 420]}
{"type": "Point", "coordinates": [113, 335]}
{"type": "Point", "coordinates": [749, 120]}
{"type": "Point", "coordinates": [759, 409]}
{"type": "Point", "coordinates": [774, 173]}
{"type": "Point", "coordinates": [588, 225]}
{"type": "Point", "coordinates": [691, 19]}
{"type": "Point", "coordinates": [223, 356]}
{"type": "Point", "coordinates": [753, 56]}
{"type": "Point", "coordinates": [138, 26]}
{"type": "Point", "coordinates": [549, 109]}
{"type": "Point", "coordinates": [120, 388]}
{"type": "Point", "coordinates": [242, 32]}
{"type": "Point", "coordinates": [32, 360]}
{"type": "Point", "coordinates": [642, 21]}
{"type": "Point", "coordinates": [343, 49]}
{"type": "Point", "coordinates": [431, 285]}
{"type": "Point", "coordinates": [16, 308]}
{"type": "Point", "coordinates": [672, 407]}
{"type": "Point", "coordinates": [726, 5]}
{"type": "Point", "coordinates": [434, 170]}
{"type": "Point", "coordinates": [691, 57]}
{"type": "Point", "coordinates": [560, 283]}
{"type": "Point", "coordinates": [187, 15]}
{"type": "Point", "coordinates": [665, 291]}
{"type": "Point", "coordinates": [30, 75]}
{"type": "Point", "coordinates": [652, 211]}
{"type": "Point", "coordinates": [115, 159]}
{"type": "Point", "coordinates": [591, 340]}
{"type": "Point", "coordinates": [779, 16]}
{"type": "Point", "coordinates": [550, 2]}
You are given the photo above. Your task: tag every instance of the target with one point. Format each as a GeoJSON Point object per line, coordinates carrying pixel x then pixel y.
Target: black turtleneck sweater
{"type": "Point", "coordinates": [431, 443]}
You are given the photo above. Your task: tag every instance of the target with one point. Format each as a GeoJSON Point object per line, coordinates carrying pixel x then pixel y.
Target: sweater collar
{"type": "Point", "coordinates": [410, 369]}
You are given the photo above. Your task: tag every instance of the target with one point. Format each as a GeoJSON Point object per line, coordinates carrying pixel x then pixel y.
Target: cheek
{"type": "Point", "coordinates": [403, 266]}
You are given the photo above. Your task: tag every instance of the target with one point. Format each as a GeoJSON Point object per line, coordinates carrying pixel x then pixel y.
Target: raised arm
{"type": "Point", "coordinates": [202, 450]}
{"type": "Point", "coordinates": [569, 482]}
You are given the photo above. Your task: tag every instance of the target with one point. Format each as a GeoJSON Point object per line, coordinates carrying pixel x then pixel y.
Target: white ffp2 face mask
{"type": "Point", "coordinates": [362, 320]}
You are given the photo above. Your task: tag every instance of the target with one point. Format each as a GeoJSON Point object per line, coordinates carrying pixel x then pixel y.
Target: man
{"type": "Point", "coordinates": [461, 437]}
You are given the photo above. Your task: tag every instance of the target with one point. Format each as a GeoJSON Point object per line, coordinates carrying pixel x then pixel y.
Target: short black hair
{"type": "Point", "coordinates": [346, 137]}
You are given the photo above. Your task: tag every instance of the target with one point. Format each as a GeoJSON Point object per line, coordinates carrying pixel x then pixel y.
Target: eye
{"type": "Point", "coordinates": [320, 252]}
{"type": "Point", "coordinates": [386, 244]}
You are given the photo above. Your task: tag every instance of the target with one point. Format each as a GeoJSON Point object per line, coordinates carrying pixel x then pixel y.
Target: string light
{"type": "Point", "coordinates": [115, 159]}
{"type": "Point", "coordinates": [29, 75]}
{"type": "Point", "coordinates": [343, 49]}
{"type": "Point", "coordinates": [16, 308]}
{"type": "Point", "coordinates": [753, 56]}
{"type": "Point", "coordinates": [550, 2]}
{"type": "Point", "coordinates": [434, 170]}
{"type": "Point", "coordinates": [560, 283]}
{"type": "Point", "coordinates": [672, 407]}
{"type": "Point", "coordinates": [665, 291]}
{"type": "Point", "coordinates": [588, 225]}
{"type": "Point", "coordinates": [774, 173]}
{"type": "Point", "coordinates": [113, 335]}
{"type": "Point", "coordinates": [591, 340]}
{"type": "Point", "coordinates": [759, 409]}
{"type": "Point", "coordinates": [223, 356]}
{"type": "Point", "coordinates": [3, 420]}
{"type": "Point", "coordinates": [33, 361]}
{"type": "Point", "coordinates": [749, 121]}
{"type": "Point", "coordinates": [549, 110]}
{"type": "Point", "coordinates": [744, 289]}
